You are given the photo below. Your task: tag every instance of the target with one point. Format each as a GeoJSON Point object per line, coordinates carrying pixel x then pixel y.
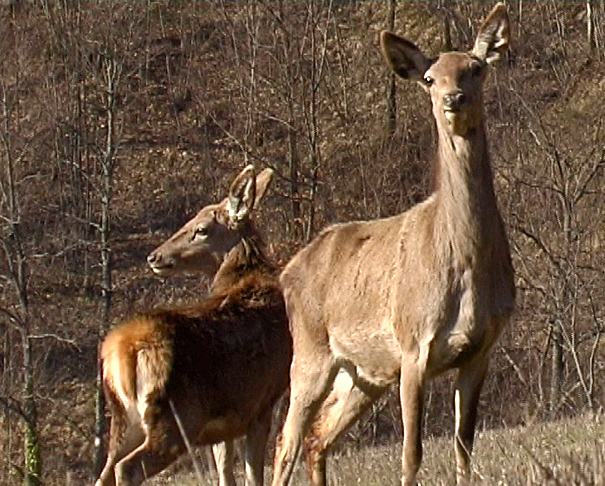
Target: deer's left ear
{"type": "Point", "coordinates": [242, 194]}
{"type": "Point", "coordinates": [494, 35]}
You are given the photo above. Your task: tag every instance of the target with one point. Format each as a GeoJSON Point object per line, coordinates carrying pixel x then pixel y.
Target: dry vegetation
{"type": "Point", "coordinates": [143, 111]}
{"type": "Point", "coordinates": [569, 452]}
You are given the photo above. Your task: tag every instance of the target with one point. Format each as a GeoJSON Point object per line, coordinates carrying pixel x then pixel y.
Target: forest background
{"type": "Point", "coordinates": [118, 121]}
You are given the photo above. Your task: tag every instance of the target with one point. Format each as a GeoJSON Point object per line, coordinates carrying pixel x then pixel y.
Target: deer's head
{"type": "Point", "coordinates": [454, 80]}
{"type": "Point", "coordinates": [202, 243]}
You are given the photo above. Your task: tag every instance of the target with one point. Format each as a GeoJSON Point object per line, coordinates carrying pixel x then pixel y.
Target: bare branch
{"type": "Point", "coordinates": [515, 366]}
{"type": "Point", "coordinates": [541, 246]}
{"type": "Point", "coordinates": [56, 338]}
{"type": "Point", "coordinates": [14, 320]}
{"type": "Point", "coordinates": [582, 188]}
{"type": "Point", "coordinates": [12, 405]}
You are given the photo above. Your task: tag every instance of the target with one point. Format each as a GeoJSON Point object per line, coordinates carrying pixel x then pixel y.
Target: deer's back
{"type": "Point", "coordinates": [340, 287]}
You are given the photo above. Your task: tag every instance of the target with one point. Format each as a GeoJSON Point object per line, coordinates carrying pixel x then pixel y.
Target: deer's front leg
{"type": "Point", "coordinates": [466, 398]}
{"type": "Point", "coordinates": [223, 454]}
{"type": "Point", "coordinates": [411, 394]}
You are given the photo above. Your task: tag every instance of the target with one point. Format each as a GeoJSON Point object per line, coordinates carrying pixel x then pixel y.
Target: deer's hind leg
{"type": "Point", "coordinates": [346, 402]}
{"type": "Point", "coordinates": [254, 448]}
{"type": "Point", "coordinates": [312, 372]}
{"type": "Point", "coordinates": [164, 426]}
{"type": "Point", "coordinates": [146, 461]}
{"type": "Point", "coordinates": [224, 458]}
{"type": "Point", "coordinates": [124, 437]}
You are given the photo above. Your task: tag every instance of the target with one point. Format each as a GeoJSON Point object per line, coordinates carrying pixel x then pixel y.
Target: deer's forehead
{"type": "Point", "coordinates": [452, 63]}
{"type": "Point", "coordinates": [207, 214]}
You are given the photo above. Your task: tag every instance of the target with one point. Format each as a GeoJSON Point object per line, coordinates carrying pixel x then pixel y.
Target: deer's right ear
{"type": "Point", "coordinates": [404, 58]}
{"type": "Point", "coordinates": [242, 194]}
{"type": "Point", "coordinates": [263, 180]}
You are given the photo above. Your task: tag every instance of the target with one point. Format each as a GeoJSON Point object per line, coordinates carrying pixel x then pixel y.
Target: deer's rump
{"type": "Point", "coordinates": [217, 366]}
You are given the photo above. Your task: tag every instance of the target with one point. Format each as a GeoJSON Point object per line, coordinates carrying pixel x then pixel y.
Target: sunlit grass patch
{"type": "Point", "coordinates": [566, 453]}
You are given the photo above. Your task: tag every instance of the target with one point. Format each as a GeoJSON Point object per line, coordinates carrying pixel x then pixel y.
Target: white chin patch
{"type": "Point", "coordinates": [450, 116]}
{"type": "Point", "coordinates": [162, 272]}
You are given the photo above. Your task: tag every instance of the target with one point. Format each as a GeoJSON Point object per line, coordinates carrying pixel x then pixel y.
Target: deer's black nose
{"type": "Point", "coordinates": [453, 101]}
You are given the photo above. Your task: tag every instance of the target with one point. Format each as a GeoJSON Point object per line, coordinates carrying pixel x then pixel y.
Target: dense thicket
{"type": "Point", "coordinates": [120, 120]}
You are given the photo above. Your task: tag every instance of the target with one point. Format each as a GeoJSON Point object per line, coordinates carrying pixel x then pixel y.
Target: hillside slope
{"type": "Point", "coordinates": [192, 92]}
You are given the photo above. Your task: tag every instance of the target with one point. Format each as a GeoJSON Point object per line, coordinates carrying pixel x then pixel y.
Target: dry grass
{"type": "Point", "coordinates": [570, 452]}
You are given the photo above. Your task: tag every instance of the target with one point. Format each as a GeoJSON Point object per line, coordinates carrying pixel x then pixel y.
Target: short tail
{"type": "Point", "coordinates": [137, 359]}
{"type": "Point", "coordinates": [119, 361]}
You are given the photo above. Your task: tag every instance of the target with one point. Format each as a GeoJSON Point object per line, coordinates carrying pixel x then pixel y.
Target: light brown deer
{"type": "Point", "coordinates": [206, 373]}
{"type": "Point", "coordinates": [406, 297]}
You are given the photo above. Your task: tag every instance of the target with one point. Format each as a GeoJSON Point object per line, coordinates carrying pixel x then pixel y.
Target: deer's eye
{"type": "Point", "coordinates": [200, 232]}
{"type": "Point", "coordinates": [428, 80]}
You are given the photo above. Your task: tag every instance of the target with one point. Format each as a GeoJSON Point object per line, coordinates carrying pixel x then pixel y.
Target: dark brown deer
{"type": "Point", "coordinates": [408, 297]}
{"type": "Point", "coordinates": [207, 373]}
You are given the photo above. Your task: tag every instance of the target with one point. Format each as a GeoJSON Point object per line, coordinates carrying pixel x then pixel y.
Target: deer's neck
{"type": "Point", "coordinates": [466, 203]}
{"type": "Point", "coordinates": [246, 258]}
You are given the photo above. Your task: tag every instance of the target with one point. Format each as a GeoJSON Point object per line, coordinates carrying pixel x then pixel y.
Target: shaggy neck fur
{"type": "Point", "coordinates": [246, 258]}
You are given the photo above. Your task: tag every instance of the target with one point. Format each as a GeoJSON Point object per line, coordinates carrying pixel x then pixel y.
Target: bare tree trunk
{"type": "Point", "coordinates": [32, 444]}
{"type": "Point", "coordinates": [252, 26]}
{"type": "Point", "coordinates": [113, 73]}
{"type": "Point", "coordinates": [17, 263]}
{"type": "Point", "coordinates": [33, 466]}
{"type": "Point", "coordinates": [589, 28]}
{"type": "Point", "coordinates": [391, 84]}
{"type": "Point", "coordinates": [289, 64]}
{"type": "Point", "coordinates": [317, 74]}
{"type": "Point", "coordinates": [447, 33]}
{"type": "Point", "coordinates": [293, 170]}
{"type": "Point", "coordinates": [558, 353]}
{"type": "Point", "coordinates": [557, 366]}
{"type": "Point", "coordinates": [293, 162]}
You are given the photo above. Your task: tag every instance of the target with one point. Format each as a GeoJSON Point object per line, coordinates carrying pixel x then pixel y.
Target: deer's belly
{"type": "Point", "coordinates": [221, 429]}
{"type": "Point", "coordinates": [373, 357]}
